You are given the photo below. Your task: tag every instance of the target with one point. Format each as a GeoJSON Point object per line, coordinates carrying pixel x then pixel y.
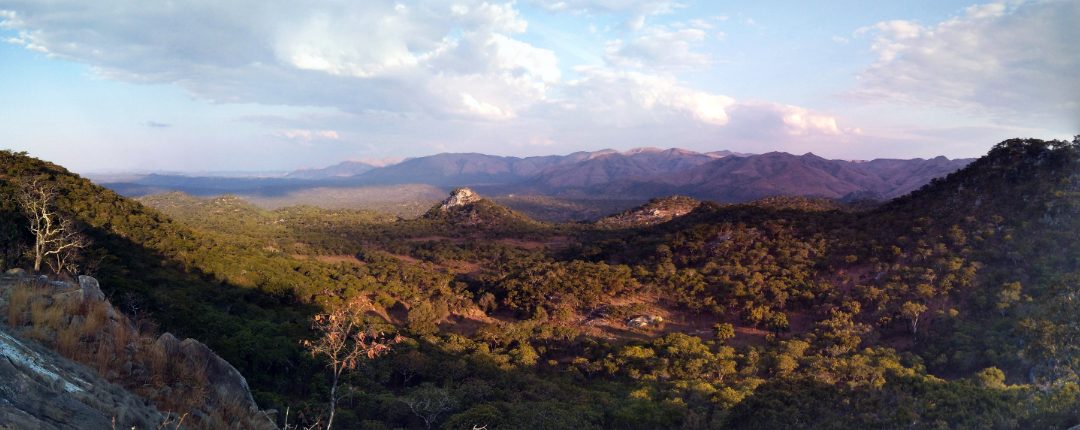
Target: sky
{"type": "Point", "coordinates": [264, 85]}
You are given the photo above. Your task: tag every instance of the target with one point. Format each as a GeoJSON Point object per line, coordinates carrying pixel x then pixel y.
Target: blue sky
{"type": "Point", "coordinates": [270, 85]}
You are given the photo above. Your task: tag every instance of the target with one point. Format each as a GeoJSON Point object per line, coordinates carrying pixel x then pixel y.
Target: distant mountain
{"type": "Point", "coordinates": [340, 170]}
{"type": "Point", "coordinates": [445, 170]}
{"type": "Point", "coordinates": [602, 168]}
{"type": "Point", "coordinates": [738, 179]}
{"type": "Point", "coordinates": [637, 174]}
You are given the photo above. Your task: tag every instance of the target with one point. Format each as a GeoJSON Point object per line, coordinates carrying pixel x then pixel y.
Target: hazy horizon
{"type": "Point", "coordinates": [384, 162]}
{"type": "Point", "coordinates": [119, 86]}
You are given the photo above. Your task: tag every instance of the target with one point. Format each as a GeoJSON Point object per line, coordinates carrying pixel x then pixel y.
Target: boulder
{"type": "Point", "coordinates": [229, 386]}
{"type": "Point", "coordinates": [168, 343]}
{"type": "Point", "coordinates": [644, 321]}
{"type": "Point", "coordinates": [16, 272]}
{"type": "Point", "coordinates": [90, 288]}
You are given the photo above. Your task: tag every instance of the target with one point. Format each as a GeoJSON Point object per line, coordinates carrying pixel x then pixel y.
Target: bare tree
{"type": "Point", "coordinates": [428, 402]}
{"type": "Point", "coordinates": [67, 252]}
{"type": "Point", "coordinates": [55, 237]}
{"type": "Point", "coordinates": [344, 340]}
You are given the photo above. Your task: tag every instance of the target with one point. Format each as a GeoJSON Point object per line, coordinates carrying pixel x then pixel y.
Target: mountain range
{"type": "Point", "coordinates": [640, 174]}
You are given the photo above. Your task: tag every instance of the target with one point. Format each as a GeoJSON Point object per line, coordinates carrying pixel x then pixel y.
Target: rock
{"type": "Point", "coordinates": [16, 272]}
{"type": "Point", "coordinates": [42, 390]}
{"type": "Point", "coordinates": [90, 288]}
{"type": "Point", "coordinates": [654, 212]}
{"type": "Point", "coordinates": [459, 197]}
{"type": "Point", "coordinates": [644, 321]}
{"type": "Point", "coordinates": [168, 343]}
{"type": "Point", "coordinates": [229, 386]}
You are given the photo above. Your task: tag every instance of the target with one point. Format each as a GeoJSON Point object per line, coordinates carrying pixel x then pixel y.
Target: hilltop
{"type": "Point", "coordinates": [465, 208]}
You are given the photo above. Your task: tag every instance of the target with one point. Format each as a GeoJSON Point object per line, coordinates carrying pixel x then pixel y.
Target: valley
{"type": "Point", "coordinates": [768, 311]}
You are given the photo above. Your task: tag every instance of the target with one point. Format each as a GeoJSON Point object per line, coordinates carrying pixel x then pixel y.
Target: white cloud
{"type": "Point", "coordinates": [1012, 61]}
{"type": "Point", "coordinates": [624, 98]}
{"type": "Point", "coordinates": [355, 56]}
{"type": "Point", "coordinates": [422, 74]}
{"type": "Point", "coordinates": [308, 135]}
{"type": "Point", "coordinates": [635, 11]}
{"type": "Point", "coordinates": [651, 7]}
{"type": "Point", "coordinates": [659, 47]}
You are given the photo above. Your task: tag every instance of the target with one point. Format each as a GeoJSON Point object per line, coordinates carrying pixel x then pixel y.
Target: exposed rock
{"type": "Point", "coordinates": [645, 321]}
{"type": "Point", "coordinates": [656, 211]}
{"type": "Point", "coordinates": [91, 290]}
{"type": "Point", "coordinates": [42, 390]}
{"type": "Point", "coordinates": [169, 343]}
{"type": "Point", "coordinates": [16, 272]}
{"type": "Point", "coordinates": [229, 386]}
{"type": "Point", "coordinates": [459, 197]}
{"type": "Point", "coordinates": [466, 208]}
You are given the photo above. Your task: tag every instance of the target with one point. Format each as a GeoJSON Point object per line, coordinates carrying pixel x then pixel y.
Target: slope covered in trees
{"type": "Point", "coordinates": [952, 307]}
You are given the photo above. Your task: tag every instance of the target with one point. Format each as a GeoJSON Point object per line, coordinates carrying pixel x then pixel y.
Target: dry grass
{"type": "Point", "coordinates": [126, 353]}
{"type": "Point", "coordinates": [43, 313]}
{"type": "Point", "coordinates": [19, 304]}
{"type": "Point", "coordinates": [67, 341]}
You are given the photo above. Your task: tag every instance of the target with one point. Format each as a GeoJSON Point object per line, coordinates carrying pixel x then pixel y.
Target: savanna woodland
{"type": "Point", "coordinates": [955, 306]}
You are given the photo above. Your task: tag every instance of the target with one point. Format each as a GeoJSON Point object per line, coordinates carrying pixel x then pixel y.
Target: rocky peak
{"type": "Point", "coordinates": [459, 197]}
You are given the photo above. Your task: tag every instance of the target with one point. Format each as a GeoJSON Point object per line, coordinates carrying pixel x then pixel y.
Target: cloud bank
{"type": "Point", "coordinates": [1016, 61]}
{"type": "Point", "coordinates": [432, 62]}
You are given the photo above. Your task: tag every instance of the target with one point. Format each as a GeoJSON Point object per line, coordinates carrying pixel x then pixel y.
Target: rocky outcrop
{"type": "Point", "coordinates": [42, 390]}
{"type": "Point", "coordinates": [228, 387]}
{"type": "Point", "coordinates": [656, 211]}
{"type": "Point", "coordinates": [465, 208]}
{"type": "Point", "coordinates": [90, 288]}
{"type": "Point", "coordinates": [39, 388]}
{"type": "Point", "coordinates": [458, 198]}
{"type": "Point", "coordinates": [645, 321]}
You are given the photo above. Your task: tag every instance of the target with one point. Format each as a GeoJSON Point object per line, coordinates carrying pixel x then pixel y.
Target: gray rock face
{"type": "Point", "coordinates": [41, 390]}
{"type": "Point", "coordinates": [90, 288]}
{"type": "Point", "coordinates": [229, 386]}
{"type": "Point", "coordinates": [459, 197]}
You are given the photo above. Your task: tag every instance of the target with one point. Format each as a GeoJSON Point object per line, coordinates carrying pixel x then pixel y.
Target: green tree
{"type": "Point", "coordinates": [723, 331]}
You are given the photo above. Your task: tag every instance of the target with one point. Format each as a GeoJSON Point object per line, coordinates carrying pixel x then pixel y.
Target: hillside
{"type": "Point", "coordinates": [653, 212]}
{"type": "Point", "coordinates": [949, 307]}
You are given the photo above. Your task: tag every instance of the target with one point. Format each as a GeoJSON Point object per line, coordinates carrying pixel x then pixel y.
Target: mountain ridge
{"type": "Point", "coordinates": [640, 173]}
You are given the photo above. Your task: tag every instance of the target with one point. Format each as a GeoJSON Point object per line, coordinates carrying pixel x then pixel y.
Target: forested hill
{"type": "Point", "coordinates": [952, 307]}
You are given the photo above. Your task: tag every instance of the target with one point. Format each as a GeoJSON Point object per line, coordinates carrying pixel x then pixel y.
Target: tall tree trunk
{"type": "Point", "coordinates": [333, 401]}
{"type": "Point", "coordinates": [37, 257]}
